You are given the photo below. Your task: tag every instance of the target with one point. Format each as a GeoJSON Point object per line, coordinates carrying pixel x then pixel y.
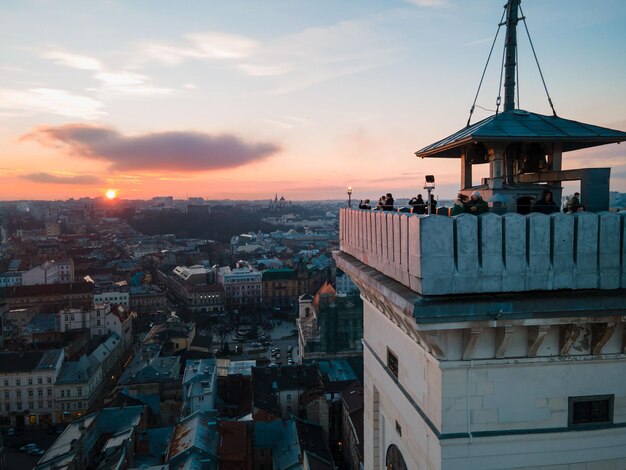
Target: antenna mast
{"type": "Point", "coordinates": [510, 63]}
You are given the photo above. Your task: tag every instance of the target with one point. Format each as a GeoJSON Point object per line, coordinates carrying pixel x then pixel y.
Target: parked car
{"type": "Point", "coordinates": [11, 432]}
{"type": "Point", "coordinates": [256, 345]}
{"type": "Point", "coordinates": [27, 447]}
{"type": "Point", "coordinates": [36, 451]}
{"type": "Point", "coordinates": [290, 348]}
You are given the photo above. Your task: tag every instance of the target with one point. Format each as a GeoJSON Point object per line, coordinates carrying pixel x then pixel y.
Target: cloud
{"type": "Point", "coordinates": [289, 122]}
{"type": "Point", "coordinates": [264, 70]}
{"type": "Point", "coordinates": [55, 179]}
{"type": "Point", "coordinates": [128, 83]}
{"type": "Point", "coordinates": [118, 82]}
{"type": "Point", "coordinates": [173, 150]}
{"type": "Point", "coordinates": [75, 61]}
{"type": "Point", "coordinates": [204, 45]}
{"type": "Point", "coordinates": [294, 61]}
{"type": "Point", "coordinates": [50, 100]}
{"type": "Point", "coordinates": [427, 3]}
{"type": "Point", "coordinates": [319, 54]}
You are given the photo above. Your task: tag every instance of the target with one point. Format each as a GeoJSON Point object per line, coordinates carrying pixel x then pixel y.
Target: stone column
{"type": "Point", "coordinates": [466, 173]}
{"type": "Point", "coordinates": [496, 166]}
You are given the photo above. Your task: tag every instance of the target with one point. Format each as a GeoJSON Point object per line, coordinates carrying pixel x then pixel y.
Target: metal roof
{"type": "Point", "coordinates": [523, 126]}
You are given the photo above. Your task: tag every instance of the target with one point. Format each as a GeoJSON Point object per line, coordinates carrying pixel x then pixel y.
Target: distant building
{"type": "Point", "coordinates": [156, 381]}
{"type": "Point", "coordinates": [283, 286]}
{"type": "Point", "coordinates": [196, 274]}
{"type": "Point", "coordinates": [100, 320]}
{"type": "Point", "coordinates": [103, 439]}
{"type": "Point", "coordinates": [49, 297]}
{"type": "Point", "coordinates": [329, 324]}
{"type": "Point", "coordinates": [113, 295]}
{"type": "Point", "coordinates": [277, 391]}
{"type": "Point", "coordinates": [146, 298]}
{"type": "Point", "coordinates": [277, 204]}
{"type": "Point", "coordinates": [242, 286]}
{"type": "Point", "coordinates": [173, 336]}
{"type": "Point", "coordinates": [199, 386]}
{"type": "Point", "coordinates": [77, 387]}
{"type": "Point", "coordinates": [50, 272]}
{"type": "Point", "coordinates": [27, 386]}
{"type": "Point", "coordinates": [189, 286]}
{"type": "Point", "coordinates": [15, 320]}
{"type": "Point", "coordinates": [10, 279]}
{"type": "Point", "coordinates": [53, 229]}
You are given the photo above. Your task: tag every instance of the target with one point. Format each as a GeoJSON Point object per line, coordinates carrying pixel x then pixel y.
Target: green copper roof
{"type": "Point", "coordinates": [279, 274]}
{"type": "Point", "coordinates": [523, 126]}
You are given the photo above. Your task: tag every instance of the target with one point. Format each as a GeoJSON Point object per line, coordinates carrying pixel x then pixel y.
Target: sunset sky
{"type": "Point", "coordinates": [244, 99]}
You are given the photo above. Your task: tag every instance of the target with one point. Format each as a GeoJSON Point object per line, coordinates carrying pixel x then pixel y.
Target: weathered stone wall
{"type": "Point", "coordinates": [436, 255]}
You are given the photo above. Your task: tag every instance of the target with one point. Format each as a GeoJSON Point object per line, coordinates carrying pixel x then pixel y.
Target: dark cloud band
{"type": "Point", "coordinates": [175, 151]}
{"type": "Point", "coordinates": [54, 179]}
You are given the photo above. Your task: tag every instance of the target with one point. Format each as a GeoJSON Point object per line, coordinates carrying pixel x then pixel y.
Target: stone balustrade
{"type": "Point", "coordinates": [438, 255]}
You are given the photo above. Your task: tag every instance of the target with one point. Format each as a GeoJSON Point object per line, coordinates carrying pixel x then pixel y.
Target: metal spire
{"type": "Point", "coordinates": [510, 46]}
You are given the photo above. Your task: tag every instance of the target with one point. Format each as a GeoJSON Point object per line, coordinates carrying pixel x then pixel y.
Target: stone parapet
{"type": "Point", "coordinates": [439, 255]}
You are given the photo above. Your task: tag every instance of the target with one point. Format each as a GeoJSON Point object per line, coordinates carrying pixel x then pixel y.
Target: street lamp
{"type": "Point", "coordinates": [349, 197]}
{"type": "Point", "coordinates": [429, 185]}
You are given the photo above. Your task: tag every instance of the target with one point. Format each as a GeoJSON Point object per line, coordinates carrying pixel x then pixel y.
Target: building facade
{"type": "Point", "coordinates": [27, 386]}
{"type": "Point", "coordinates": [242, 286]}
{"type": "Point", "coordinates": [77, 387]}
{"type": "Point", "coordinates": [199, 386]}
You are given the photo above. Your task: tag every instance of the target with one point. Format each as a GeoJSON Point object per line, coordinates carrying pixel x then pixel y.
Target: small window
{"type": "Point", "coordinates": [392, 363]}
{"type": "Point", "coordinates": [591, 410]}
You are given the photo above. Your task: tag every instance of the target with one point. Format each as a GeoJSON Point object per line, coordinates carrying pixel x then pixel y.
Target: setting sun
{"type": "Point", "coordinates": [110, 194]}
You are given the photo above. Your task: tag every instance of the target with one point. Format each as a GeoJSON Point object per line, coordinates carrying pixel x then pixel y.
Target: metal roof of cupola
{"type": "Point", "coordinates": [524, 149]}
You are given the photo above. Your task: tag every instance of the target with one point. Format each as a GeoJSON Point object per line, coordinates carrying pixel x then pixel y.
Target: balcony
{"type": "Point", "coordinates": [438, 255]}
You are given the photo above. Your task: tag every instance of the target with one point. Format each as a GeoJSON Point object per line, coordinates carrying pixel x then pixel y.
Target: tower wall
{"type": "Point", "coordinates": [438, 255]}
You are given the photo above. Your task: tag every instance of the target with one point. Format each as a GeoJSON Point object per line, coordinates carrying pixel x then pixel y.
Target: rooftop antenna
{"type": "Point", "coordinates": [510, 46]}
{"type": "Point", "coordinates": [509, 67]}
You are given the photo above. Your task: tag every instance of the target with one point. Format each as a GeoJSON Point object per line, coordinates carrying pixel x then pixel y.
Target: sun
{"type": "Point", "coordinates": [110, 194]}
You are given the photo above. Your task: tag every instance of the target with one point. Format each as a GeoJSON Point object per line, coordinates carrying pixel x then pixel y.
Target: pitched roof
{"type": "Point", "coordinates": [523, 126]}
{"type": "Point", "coordinates": [197, 432]}
{"type": "Point", "coordinates": [28, 360]}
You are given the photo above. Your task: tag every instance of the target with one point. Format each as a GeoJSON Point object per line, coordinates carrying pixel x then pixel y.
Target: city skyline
{"type": "Point", "coordinates": [241, 101]}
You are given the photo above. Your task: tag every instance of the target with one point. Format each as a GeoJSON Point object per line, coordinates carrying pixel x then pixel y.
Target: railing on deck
{"type": "Point", "coordinates": [436, 255]}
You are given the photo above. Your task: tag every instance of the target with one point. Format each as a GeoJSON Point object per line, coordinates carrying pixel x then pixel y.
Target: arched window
{"type": "Point", "coordinates": [394, 459]}
{"type": "Point", "coordinates": [307, 311]}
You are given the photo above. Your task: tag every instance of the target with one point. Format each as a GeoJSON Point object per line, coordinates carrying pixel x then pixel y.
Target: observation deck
{"type": "Point", "coordinates": [438, 255]}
